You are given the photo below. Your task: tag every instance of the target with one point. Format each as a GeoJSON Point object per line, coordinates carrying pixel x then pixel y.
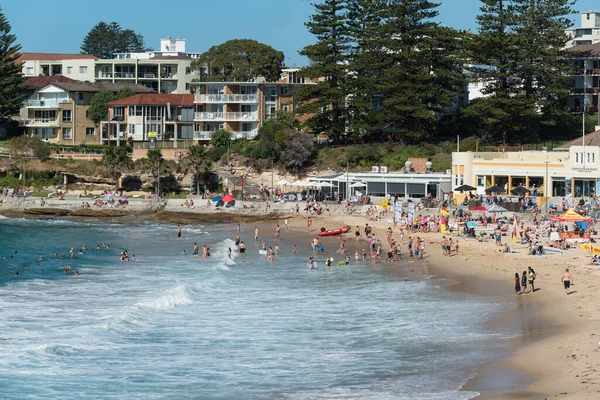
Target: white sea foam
{"type": "Point", "coordinates": [177, 296]}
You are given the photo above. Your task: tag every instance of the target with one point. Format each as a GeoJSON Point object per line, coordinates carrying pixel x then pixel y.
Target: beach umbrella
{"type": "Point", "coordinates": [479, 208]}
{"type": "Point", "coordinates": [217, 198]}
{"type": "Point", "coordinates": [358, 184]}
{"type": "Point", "coordinates": [314, 184]}
{"type": "Point", "coordinates": [520, 190]}
{"type": "Point", "coordinates": [326, 184]}
{"type": "Point", "coordinates": [227, 198]}
{"type": "Point", "coordinates": [465, 188]}
{"type": "Point", "coordinates": [494, 189]}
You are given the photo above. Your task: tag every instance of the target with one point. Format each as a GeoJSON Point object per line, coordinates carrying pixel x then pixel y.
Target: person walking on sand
{"type": "Point", "coordinates": [567, 280]}
{"type": "Point", "coordinates": [178, 231]}
{"type": "Point", "coordinates": [309, 223]}
{"type": "Point", "coordinates": [517, 283]}
{"type": "Point", "coordinates": [357, 233]}
{"type": "Point", "coordinates": [277, 232]}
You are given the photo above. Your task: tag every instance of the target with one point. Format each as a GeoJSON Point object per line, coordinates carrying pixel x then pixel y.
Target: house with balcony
{"type": "Point", "coordinates": [144, 120]}
{"type": "Point", "coordinates": [585, 77]}
{"type": "Point", "coordinates": [57, 112]}
{"type": "Point", "coordinates": [75, 66]}
{"type": "Point", "coordinates": [587, 32]}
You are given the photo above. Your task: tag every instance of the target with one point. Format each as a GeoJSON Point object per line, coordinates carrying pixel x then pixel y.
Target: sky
{"type": "Point", "coordinates": [48, 27]}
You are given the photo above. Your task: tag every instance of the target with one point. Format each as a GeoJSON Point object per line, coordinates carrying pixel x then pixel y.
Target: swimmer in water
{"type": "Point", "coordinates": [76, 273]}
{"type": "Point", "coordinates": [183, 253]}
{"type": "Point", "coordinates": [271, 256]}
{"type": "Point", "coordinates": [356, 255]}
{"type": "Point", "coordinates": [178, 232]}
{"type": "Point", "coordinates": [41, 258]}
{"type": "Point", "coordinates": [229, 252]}
{"type": "Point", "coordinates": [263, 246]}
{"type": "Point", "coordinates": [276, 248]}
{"type": "Point", "coordinates": [195, 253]}
{"type": "Point", "coordinates": [17, 274]}
{"type": "Point", "coordinates": [294, 249]}
{"type": "Point", "coordinates": [310, 264]}
{"type": "Point", "coordinates": [242, 249]}
{"type": "Point", "coordinates": [255, 233]}
{"type": "Point", "coordinates": [277, 232]}
{"type": "Point", "coordinates": [133, 258]}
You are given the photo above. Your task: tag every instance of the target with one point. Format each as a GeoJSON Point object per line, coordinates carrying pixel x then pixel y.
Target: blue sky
{"type": "Point", "coordinates": [46, 26]}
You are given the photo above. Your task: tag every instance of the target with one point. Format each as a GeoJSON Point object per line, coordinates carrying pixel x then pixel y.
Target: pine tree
{"type": "Point", "coordinates": [327, 99]}
{"type": "Point", "coordinates": [11, 77]}
{"type": "Point", "coordinates": [416, 71]}
{"type": "Point", "coordinates": [494, 56]}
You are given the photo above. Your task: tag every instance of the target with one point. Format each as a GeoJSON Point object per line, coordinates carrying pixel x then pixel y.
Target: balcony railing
{"type": "Point", "coordinates": [168, 76]}
{"type": "Point", "coordinates": [146, 75]}
{"type": "Point", "coordinates": [227, 116]}
{"type": "Point", "coordinates": [206, 135]}
{"type": "Point", "coordinates": [587, 90]}
{"type": "Point", "coordinates": [105, 75]}
{"type": "Point", "coordinates": [125, 75]}
{"type": "Point", "coordinates": [45, 103]}
{"type": "Point", "coordinates": [226, 98]}
{"type": "Point", "coordinates": [38, 122]}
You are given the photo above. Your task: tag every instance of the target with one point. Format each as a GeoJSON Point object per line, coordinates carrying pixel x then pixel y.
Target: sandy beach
{"type": "Point", "coordinates": [558, 354]}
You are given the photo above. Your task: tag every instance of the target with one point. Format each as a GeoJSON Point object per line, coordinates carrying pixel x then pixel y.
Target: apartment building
{"type": "Point", "coordinates": [144, 119]}
{"type": "Point", "coordinates": [242, 107]}
{"type": "Point", "coordinates": [585, 76]}
{"type": "Point", "coordinates": [57, 112]}
{"type": "Point", "coordinates": [165, 71]}
{"type": "Point", "coordinates": [588, 31]}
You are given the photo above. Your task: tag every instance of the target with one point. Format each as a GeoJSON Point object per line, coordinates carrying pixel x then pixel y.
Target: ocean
{"type": "Point", "coordinates": [169, 326]}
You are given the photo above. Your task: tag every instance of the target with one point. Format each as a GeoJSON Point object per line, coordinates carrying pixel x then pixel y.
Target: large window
{"type": "Point", "coordinates": [118, 113]}
{"type": "Point", "coordinates": [45, 115]}
{"type": "Point", "coordinates": [66, 115]}
{"type": "Point", "coordinates": [66, 133]}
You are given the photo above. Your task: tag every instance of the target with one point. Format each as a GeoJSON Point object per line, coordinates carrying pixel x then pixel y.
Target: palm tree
{"type": "Point", "coordinates": [197, 162]}
{"type": "Point", "coordinates": [115, 162]}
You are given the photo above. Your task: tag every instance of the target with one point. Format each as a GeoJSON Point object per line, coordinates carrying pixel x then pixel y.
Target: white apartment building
{"type": "Point", "coordinates": [166, 71]}
{"type": "Point", "coordinates": [588, 32]}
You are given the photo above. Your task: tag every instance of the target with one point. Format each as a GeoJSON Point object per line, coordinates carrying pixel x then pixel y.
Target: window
{"type": "Point", "coordinates": [69, 70]}
{"type": "Point", "coordinates": [66, 133]}
{"type": "Point", "coordinates": [90, 131]}
{"type": "Point", "coordinates": [131, 129]}
{"type": "Point", "coordinates": [118, 113]}
{"type": "Point", "coordinates": [66, 115]}
{"type": "Point", "coordinates": [83, 69]}
{"type": "Point", "coordinates": [587, 16]}
{"type": "Point", "coordinates": [187, 86]}
{"type": "Point", "coordinates": [29, 71]}
{"type": "Point", "coordinates": [284, 90]}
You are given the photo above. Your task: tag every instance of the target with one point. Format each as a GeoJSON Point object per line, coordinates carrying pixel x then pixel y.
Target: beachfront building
{"type": "Point", "coordinates": [165, 71]}
{"type": "Point", "coordinates": [242, 107]}
{"type": "Point", "coordinates": [57, 112]}
{"type": "Point", "coordinates": [572, 170]}
{"type": "Point", "coordinates": [385, 184]}
{"type": "Point", "coordinates": [150, 120]}
{"type": "Point", "coordinates": [587, 32]}
{"type": "Point", "coordinates": [585, 76]}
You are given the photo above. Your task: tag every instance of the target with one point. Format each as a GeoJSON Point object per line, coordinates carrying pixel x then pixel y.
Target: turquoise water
{"type": "Point", "coordinates": [168, 326]}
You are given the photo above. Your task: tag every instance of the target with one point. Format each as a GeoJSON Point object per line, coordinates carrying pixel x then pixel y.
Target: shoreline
{"type": "Point", "coordinates": [557, 353]}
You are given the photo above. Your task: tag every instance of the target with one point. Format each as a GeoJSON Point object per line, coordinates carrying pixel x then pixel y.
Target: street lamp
{"type": "Point", "coordinates": [546, 187]}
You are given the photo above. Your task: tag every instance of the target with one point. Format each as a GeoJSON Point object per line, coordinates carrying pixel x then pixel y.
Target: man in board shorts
{"type": "Point", "coordinates": [567, 279]}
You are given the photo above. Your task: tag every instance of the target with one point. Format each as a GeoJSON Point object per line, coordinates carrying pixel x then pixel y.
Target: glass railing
{"type": "Point", "coordinates": [226, 98]}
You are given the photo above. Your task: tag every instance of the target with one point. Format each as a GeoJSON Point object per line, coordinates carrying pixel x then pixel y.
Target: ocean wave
{"type": "Point", "coordinates": [177, 296]}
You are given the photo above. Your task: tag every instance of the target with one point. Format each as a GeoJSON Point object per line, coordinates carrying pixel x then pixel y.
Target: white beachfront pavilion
{"type": "Point", "coordinates": [406, 185]}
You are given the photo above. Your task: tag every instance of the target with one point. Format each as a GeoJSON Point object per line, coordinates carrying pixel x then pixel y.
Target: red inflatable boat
{"type": "Point", "coordinates": [337, 231]}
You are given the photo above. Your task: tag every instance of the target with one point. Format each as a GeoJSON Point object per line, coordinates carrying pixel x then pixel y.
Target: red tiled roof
{"type": "Point", "coordinates": [150, 99]}
{"type": "Point", "coordinates": [37, 82]}
{"type": "Point", "coordinates": [54, 56]}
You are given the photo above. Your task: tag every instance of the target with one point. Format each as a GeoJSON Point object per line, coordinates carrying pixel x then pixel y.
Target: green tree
{"type": "Point", "coordinates": [198, 163]}
{"type": "Point", "coordinates": [104, 40]}
{"type": "Point", "coordinates": [155, 163]}
{"type": "Point", "coordinates": [11, 79]}
{"type": "Point", "coordinates": [325, 100]}
{"type": "Point", "coordinates": [297, 152]}
{"type": "Point", "coordinates": [98, 110]}
{"type": "Point", "coordinates": [115, 162]}
{"type": "Point", "coordinates": [23, 148]}
{"type": "Point", "coordinates": [417, 64]}
{"type": "Point", "coordinates": [220, 138]}
{"type": "Point", "coordinates": [240, 60]}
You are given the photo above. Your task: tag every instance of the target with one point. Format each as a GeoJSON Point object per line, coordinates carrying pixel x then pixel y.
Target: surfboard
{"type": "Point", "coordinates": [262, 252]}
{"type": "Point", "coordinates": [342, 263]}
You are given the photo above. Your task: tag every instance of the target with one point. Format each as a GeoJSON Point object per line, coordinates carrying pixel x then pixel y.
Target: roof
{"type": "Point", "coordinates": [78, 86]}
{"type": "Point", "coordinates": [591, 139]}
{"type": "Point", "coordinates": [37, 82]}
{"type": "Point", "coordinates": [155, 99]}
{"type": "Point", "coordinates": [171, 58]}
{"type": "Point", "coordinates": [584, 51]}
{"type": "Point", "coordinates": [54, 57]}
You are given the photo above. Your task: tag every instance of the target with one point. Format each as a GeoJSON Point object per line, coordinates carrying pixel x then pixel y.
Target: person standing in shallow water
{"type": "Point", "coordinates": [517, 283]}
{"type": "Point", "coordinates": [178, 231]}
